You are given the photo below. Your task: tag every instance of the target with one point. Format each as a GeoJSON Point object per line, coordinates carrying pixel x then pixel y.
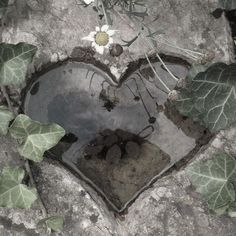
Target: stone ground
{"type": "Point", "coordinates": [170, 206]}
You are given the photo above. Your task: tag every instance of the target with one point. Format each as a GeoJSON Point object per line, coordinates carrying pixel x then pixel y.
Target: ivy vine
{"type": "Point", "coordinates": [33, 138]}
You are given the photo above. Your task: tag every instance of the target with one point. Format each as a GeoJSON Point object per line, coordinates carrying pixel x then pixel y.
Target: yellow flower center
{"type": "Point", "coordinates": [102, 38]}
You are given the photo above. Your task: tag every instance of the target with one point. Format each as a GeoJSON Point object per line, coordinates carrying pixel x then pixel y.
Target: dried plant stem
{"type": "Point", "coordinates": [162, 62]}
{"type": "Point", "coordinates": [193, 54]}
{"type": "Point", "coordinates": [26, 164]}
{"type": "Point", "coordinates": [159, 58]}
{"type": "Point", "coordinates": [158, 77]}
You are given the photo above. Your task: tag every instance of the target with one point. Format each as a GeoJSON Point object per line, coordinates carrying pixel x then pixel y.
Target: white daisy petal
{"type": "Point", "coordinates": [88, 38]}
{"type": "Point", "coordinates": [99, 49]}
{"type": "Point", "coordinates": [111, 32]}
{"type": "Point", "coordinates": [92, 34]}
{"type": "Point", "coordinates": [97, 28]}
{"type": "Point", "coordinates": [88, 1]}
{"type": "Point", "coordinates": [110, 40]}
{"type": "Point", "coordinates": [94, 44]}
{"type": "Point", "coordinates": [105, 28]}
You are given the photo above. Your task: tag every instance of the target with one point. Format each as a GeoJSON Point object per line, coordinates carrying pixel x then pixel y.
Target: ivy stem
{"type": "Point", "coordinates": [4, 91]}
{"type": "Point", "coordinates": [33, 184]}
{"type": "Point", "coordinates": [26, 163]}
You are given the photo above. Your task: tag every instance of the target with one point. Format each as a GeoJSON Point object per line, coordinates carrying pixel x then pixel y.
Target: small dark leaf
{"type": "Point", "coordinates": [217, 13]}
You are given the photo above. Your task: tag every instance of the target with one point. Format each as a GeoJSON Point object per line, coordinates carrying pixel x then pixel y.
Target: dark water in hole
{"type": "Point", "coordinates": [123, 136]}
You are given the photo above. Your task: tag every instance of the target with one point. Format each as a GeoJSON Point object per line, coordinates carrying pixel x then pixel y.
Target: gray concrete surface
{"type": "Point", "coordinates": [170, 206]}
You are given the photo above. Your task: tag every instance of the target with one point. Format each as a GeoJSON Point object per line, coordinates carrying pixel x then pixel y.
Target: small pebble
{"type": "Point", "coordinates": [93, 150]}
{"type": "Point", "coordinates": [110, 140]}
{"type": "Point", "coordinates": [113, 155]}
{"type": "Point", "coordinates": [116, 50]}
{"type": "Point", "coordinates": [106, 132]}
{"type": "Point", "coordinates": [124, 135]}
{"type": "Point", "coordinates": [132, 149]}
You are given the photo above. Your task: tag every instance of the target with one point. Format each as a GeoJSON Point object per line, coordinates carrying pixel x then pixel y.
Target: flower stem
{"type": "Point", "coordinates": [104, 12]}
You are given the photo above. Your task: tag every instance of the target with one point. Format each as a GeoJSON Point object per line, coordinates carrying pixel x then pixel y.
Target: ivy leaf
{"type": "Point", "coordinates": [185, 105]}
{"type": "Point", "coordinates": [54, 222]}
{"type": "Point", "coordinates": [228, 4]}
{"type": "Point", "coordinates": [14, 61]}
{"type": "Point", "coordinates": [194, 71]}
{"type": "Point", "coordinates": [3, 7]}
{"type": "Point", "coordinates": [12, 192]}
{"type": "Point", "coordinates": [211, 97]}
{"type": "Point", "coordinates": [215, 180]}
{"type": "Point", "coordinates": [5, 117]}
{"type": "Point", "coordinates": [35, 137]}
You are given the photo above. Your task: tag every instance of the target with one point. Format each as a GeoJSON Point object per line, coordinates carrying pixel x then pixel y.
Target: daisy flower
{"type": "Point", "coordinates": [101, 38]}
{"type": "Point", "coordinates": [88, 1]}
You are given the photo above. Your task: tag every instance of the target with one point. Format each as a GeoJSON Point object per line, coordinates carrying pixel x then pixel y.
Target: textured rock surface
{"type": "Point", "coordinates": [57, 27]}
{"type": "Point", "coordinates": [84, 211]}
{"type": "Point", "coordinates": [170, 207]}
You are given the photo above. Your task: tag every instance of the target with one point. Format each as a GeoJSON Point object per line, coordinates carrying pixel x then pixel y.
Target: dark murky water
{"type": "Point", "coordinates": [125, 138]}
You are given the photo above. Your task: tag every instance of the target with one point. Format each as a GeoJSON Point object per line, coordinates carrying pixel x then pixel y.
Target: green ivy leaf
{"type": "Point", "coordinates": [5, 117]}
{"type": "Point", "coordinates": [215, 180]}
{"type": "Point", "coordinates": [35, 137]}
{"type": "Point", "coordinates": [195, 70]}
{"type": "Point", "coordinates": [54, 222]}
{"type": "Point", "coordinates": [228, 4]}
{"type": "Point", "coordinates": [14, 61]}
{"type": "Point", "coordinates": [12, 192]}
{"type": "Point", "coordinates": [211, 97]}
{"type": "Point", "coordinates": [185, 105]}
{"type": "Point", "coordinates": [3, 7]}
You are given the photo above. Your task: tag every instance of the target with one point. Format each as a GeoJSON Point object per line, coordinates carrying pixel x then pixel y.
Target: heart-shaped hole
{"type": "Point", "coordinates": [124, 136]}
